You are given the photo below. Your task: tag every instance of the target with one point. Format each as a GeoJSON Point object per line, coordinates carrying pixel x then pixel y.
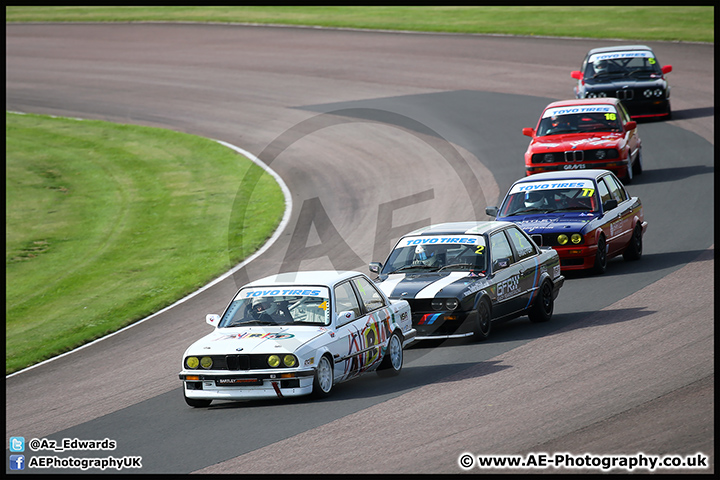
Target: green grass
{"type": "Point", "coordinates": [109, 223]}
{"type": "Point", "coordinates": [670, 23]}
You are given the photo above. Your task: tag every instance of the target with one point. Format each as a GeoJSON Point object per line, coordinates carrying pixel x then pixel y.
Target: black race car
{"type": "Point", "coordinates": [460, 277]}
{"type": "Point", "coordinates": [631, 73]}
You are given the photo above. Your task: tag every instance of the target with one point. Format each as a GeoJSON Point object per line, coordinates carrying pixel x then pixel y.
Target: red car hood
{"type": "Point", "coordinates": [575, 141]}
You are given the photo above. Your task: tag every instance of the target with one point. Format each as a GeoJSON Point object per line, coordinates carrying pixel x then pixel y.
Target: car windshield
{"type": "Point", "coordinates": [635, 63]}
{"type": "Point", "coordinates": [433, 253]}
{"type": "Point", "coordinates": [550, 196]}
{"type": "Point", "coordinates": [268, 306]}
{"type": "Point", "coordinates": [579, 119]}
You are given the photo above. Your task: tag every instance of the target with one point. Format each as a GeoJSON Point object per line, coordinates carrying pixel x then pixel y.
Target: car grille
{"type": "Point", "coordinates": [576, 156]}
{"type": "Point", "coordinates": [238, 362]}
{"type": "Point", "coordinates": [625, 94]}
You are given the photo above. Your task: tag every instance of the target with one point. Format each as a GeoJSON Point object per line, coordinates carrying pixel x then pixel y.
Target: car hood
{"type": "Point", "coordinates": [255, 340]}
{"type": "Point", "coordinates": [410, 286]}
{"type": "Point", "coordinates": [576, 141]}
{"type": "Point", "coordinates": [559, 222]}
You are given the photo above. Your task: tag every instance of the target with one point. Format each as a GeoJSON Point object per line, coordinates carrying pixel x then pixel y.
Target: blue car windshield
{"type": "Point", "coordinates": [540, 200]}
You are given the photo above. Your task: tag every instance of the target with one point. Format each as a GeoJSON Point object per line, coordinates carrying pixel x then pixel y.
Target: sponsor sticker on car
{"type": "Point", "coordinates": [614, 55]}
{"type": "Point", "coordinates": [579, 109]}
{"type": "Point", "coordinates": [587, 186]}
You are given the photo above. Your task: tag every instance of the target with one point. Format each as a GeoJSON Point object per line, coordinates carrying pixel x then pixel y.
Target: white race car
{"type": "Point", "coordinates": [294, 334]}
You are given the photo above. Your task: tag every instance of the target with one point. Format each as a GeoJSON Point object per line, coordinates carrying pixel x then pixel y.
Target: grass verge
{"type": "Point", "coordinates": [666, 23]}
{"type": "Point", "coordinates": [106, 224]}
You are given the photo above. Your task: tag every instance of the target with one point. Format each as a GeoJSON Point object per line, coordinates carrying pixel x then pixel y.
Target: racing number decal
{"type": "Point", "coordinates": [610, 116]}
{"type": "Point", "coordinates": [588, 192]}
{"type": "Point", "coordinates": [371, 339]}
{"type": "Point", "coordinates": [480, 250]}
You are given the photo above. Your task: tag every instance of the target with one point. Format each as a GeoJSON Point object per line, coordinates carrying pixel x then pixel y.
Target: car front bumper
{"type": "Point", "coordinates": [232, 386]}
{"type": "Point", "coordinates": [618, 167]}
{"type": "Point", "coordinates": [441, 325]}
{"type": "Point", "coordinates": [576, 257]}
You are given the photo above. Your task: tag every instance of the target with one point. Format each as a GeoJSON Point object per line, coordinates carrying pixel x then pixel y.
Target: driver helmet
{"type": "Point", "coordinates": [264, 305]}
{"type": "Point", "coordinates": [425, 254]}
{"type": "Point", "coordinates": [601, 66]}
{"type": "Point", "coordinates": [534, 199]}
{"type": "Point", "coordinates": [558, 120]}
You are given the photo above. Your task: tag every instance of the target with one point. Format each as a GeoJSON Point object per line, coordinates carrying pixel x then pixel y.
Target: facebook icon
{"type": "Point", "coordinates": [17, 462]}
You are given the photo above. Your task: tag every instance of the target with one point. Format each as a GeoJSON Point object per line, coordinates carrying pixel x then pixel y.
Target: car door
{"type": "Point", "coordinates": [376, 332]}
{"type": "Point", "coordinates": [621, 225]}
{"type": "Point", "coordinates": [631, 137]}
{"type": "Point", "coordinates": [527, 254]}
{"type": "Point", "coordinates": [505, 277]}
{"type": "Point", "coordinates": [348, 344]}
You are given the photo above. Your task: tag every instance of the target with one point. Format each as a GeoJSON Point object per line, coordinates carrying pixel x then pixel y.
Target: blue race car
{"type": "Point", "coordinates": [587, 216]}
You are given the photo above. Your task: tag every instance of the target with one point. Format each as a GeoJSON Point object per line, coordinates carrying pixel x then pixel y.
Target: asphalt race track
{"type": "Point", "coordinates": [376, 133]}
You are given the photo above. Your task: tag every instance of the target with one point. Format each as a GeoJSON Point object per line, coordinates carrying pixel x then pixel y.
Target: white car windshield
{"type": "Point", "coordinates": [438, 253]}
{"type": "Point", "coordinates": [268, 306]}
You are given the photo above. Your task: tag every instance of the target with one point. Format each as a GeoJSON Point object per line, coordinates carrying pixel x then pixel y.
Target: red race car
{"type": "Point", "coordinates": [585, 133]}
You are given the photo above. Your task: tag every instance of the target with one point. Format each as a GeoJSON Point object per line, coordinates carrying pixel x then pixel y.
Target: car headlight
{"type": "Point", "coordinates": [576, 238]}
{"type": "Point", "coordinates": [289, 360]}
{"type": "Point", "coordinates": [602, 94]}
{"type": "Point", "coordinates": [444, 304]}
{"type": "Point", "coordinates": [590, 95]}
{"type": "Point", "coordinates": [600, 154]}
{"type": "Point", "coordinates": [206, 362]}
{"type": "Point", "coordinates": [658, 92]}
{"type": "Point", "coordinates": [562, 239]}
{"type": "Point", "coordinates": [192, 362]}
{"type": "Point", "coordinates": [273, 361]}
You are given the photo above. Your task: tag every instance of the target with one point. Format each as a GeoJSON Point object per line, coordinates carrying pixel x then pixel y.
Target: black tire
{"type": "Point", "coordinates": [637, 166]}
{"type": "Point", "coordinates": [635, 247]}
{"type": "Point", "coordinates": [323, 380]}
{"type": "Point", "coordinates": [483, 322]}
{"type": "Point", "coordinates": [542, 309]}
{"type": "Point", "coordinates": [196, 402]}
{"type": "Point", "coordinates": [600, 257]}
{"type": "Point", "coordinates": [629, 174]}
{"type": "Point", "coordinates": [392, 361]}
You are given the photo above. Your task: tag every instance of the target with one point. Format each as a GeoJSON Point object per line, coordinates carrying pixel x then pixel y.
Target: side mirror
{"type": "Point", "coordinates": [375, 267]}
{"type": "Point", "coordinates": [345, 316]}
{"type": "Point", "coordinates": [610, 204]}
{"type": "Point", "coordinates": [576, 74]}
{"type": "Point", "coordinates": [213, 319]}
{"type": "Point", "coordinates": [501, 263]}
{"type": "Point", "coordinates": [491, 211]}
{"type": "Point", "coordinates": [666, 69]}
{"type": "Point", "coordinates": [631, 125]}
{"type": "Point", "coordinates": [528, 132]}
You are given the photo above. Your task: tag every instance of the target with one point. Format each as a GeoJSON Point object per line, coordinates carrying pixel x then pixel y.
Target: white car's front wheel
{"type": "Point", "coordinates": [392, 362]}
{"type": "Point", "coordinates": [323, 381]}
